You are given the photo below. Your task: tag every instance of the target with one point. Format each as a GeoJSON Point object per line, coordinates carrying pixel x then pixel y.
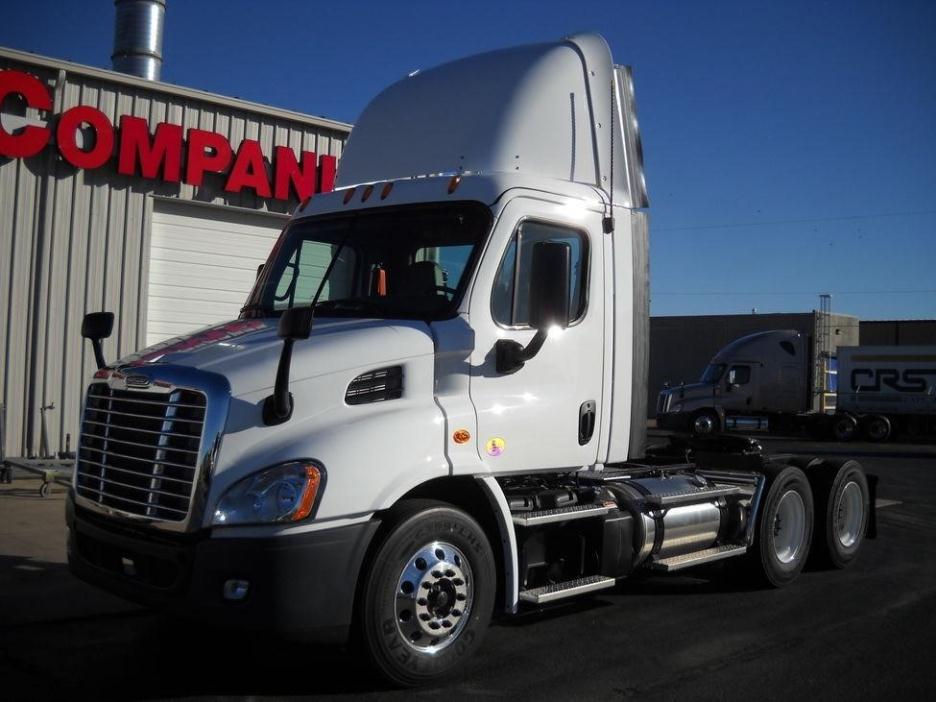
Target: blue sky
{"type": "Point", "coordinates": [790, 146]}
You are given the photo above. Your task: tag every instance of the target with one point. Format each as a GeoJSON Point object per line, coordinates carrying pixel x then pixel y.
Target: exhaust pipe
{"type": "Point", "coordinates": [138, 36]}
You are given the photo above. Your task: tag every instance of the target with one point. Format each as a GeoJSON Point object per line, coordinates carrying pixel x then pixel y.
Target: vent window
{"type": "Point", "coordinates": [376, 386]}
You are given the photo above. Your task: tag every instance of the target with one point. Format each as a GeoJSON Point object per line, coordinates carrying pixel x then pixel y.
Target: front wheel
{"type": "Point", "coordinates": [705, 423]}
{"type": "Point", "coordinates": [428, 595]}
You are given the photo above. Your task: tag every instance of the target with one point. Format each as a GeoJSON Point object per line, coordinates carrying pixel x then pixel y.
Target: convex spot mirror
{"type": "Point", "coordinates": [550, 274]}
{"type": "Point", "coordinates": [97, 325]}
{"type": "Point", "coordinates": [295, 323]}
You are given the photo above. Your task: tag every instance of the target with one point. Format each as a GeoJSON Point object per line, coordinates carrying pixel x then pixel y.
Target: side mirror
{"type": "Point", "coordinates": [96, 326]}
{"type": "Point", "coordinates": [550, 273]}
{"type": "Point", "coordinates": [294, 323]}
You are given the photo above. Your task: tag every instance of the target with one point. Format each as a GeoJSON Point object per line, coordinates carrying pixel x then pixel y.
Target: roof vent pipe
{"type": "Point", "coordinates": [138, 36]}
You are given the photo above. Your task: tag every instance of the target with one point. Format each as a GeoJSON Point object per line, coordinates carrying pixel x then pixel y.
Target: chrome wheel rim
{"type": "Point", "coordinates": [704, 424]}
{"type": "Point", "coordinates": [849, 515]}
{"type": "Point", "coordinates": [789, 527]}
{"type": "Point", "coordinates": [433, 597]}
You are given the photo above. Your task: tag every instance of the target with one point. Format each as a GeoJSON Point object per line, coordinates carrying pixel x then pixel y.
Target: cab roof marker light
{"type": "Point", "coordinates": [386, 190]}
{"type": "Point", "coordinates": [348, 195]}
{"type": "Point", "coordinates": [367, 193]}
{"type": "Point", "coordinates": [453, 184]}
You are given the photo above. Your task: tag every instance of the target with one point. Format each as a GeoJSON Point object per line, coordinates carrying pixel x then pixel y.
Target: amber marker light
{"type": "Point", "coordinates": [367, 193]}
{"type": "Point", "coordinates": [461, 436]}
{"type": "Point", "coordinates": [309, 492]}
{"type": "Point", "coordinates": [386, 190]}
{"type": "Point", "coordinates": [348, 195]}
{"type": "Point", "coordinates": [453, 184]}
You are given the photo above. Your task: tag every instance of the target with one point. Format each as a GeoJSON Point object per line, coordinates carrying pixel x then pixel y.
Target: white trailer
{"type": "Point", "coordinates": [431, 409]}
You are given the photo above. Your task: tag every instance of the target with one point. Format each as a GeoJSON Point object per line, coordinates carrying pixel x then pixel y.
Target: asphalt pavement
{"type": "Point", "coordinates": [867, 632]}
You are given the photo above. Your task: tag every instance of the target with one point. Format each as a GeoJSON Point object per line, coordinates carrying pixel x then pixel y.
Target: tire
{"type": "Point", "coordinates": [844, 427]}
{"type": "Point", "coordinates": [842, 511]}
{"type": "Point", "coordinates": [432, 548]}
{"type": "Point", "coordinates": [784, 528]}
{"type": "Point", "coordinates": [876, 428]}
{"type": "Point", "coordinates": [704, 423]}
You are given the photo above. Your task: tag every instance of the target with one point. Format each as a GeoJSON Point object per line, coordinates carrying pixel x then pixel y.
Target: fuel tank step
{"type": "Point", "coordinates": [570, 588]}
{"type": "Point", "coordinates": [672, 499]}
{"type": "Point", "coordinates": [560, 514]}
{"type": "Point", "coordinates": [709, 555]}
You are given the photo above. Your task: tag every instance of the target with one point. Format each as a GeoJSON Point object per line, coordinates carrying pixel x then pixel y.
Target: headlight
{"type": "Point", "coordinates": [283, 493]}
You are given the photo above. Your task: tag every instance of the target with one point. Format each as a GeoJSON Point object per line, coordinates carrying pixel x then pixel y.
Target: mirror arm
{"type": "Point", "coordinates": [98, 348]}
{"type": "Point", "coordinates": [510, 355]}
{"type": "Point", "coordinates": [277, 408]}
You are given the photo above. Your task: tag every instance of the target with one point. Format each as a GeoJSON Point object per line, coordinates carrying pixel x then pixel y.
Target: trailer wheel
{"type": "Point", "coordinates": [842, 512]}
{"type": "Point", "coordinates": [428, 595]}
{"type": "Point", "coordinates": [844, 427]}
{"type": "Point", "coordinates": [877, 428]}
{"type": "Point", "coordinates": [784, 527]}
{"type": "Point", "coordinates": [705, 423]}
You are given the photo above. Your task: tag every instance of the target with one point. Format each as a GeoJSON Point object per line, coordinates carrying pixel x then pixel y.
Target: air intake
{"type": "Point", "coordinates": [376, 386]}
{"type": "Point", "coordinates": [138, 36]}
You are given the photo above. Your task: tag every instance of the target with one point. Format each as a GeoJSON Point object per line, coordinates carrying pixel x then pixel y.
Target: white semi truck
{"type": "Point", "coordinates": [432, 407]}
{"type": "Point", "coordinates": [768, 381]}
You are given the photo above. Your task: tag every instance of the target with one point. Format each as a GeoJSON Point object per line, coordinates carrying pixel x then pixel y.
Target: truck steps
{"type": "Point", "coordinates": [570, 588]}
{"type": "Point", "coordinates": [674, 499]}
{"type": "Point", "coordinates": [709, 555]}
{"type": "Point", "coordinates": [560, 514]}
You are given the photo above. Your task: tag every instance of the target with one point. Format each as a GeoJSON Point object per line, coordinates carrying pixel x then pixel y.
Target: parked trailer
{"type": "Point", "coordinates": [767, 381]}
{"type": "Point", "coordinates": [431, 409]}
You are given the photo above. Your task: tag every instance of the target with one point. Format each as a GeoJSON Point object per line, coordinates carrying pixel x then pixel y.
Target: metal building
{"type": "Point", "coordinates": [149, 200]}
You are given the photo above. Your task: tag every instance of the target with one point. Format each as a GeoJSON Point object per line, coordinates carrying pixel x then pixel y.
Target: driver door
{"type": "Point", "coordinates": [545, 414]}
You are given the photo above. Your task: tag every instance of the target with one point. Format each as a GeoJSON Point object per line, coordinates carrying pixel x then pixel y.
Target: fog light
{"type": "Point", "coordinates": [235, 590]}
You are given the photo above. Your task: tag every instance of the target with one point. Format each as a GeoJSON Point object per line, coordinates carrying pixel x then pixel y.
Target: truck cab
{"type": "Point", "coordinates": [748, 382]}
{"type": "Point", "coordinates": [432, 407]}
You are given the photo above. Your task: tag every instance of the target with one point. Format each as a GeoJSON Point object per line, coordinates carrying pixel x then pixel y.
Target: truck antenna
{"type": "Point", "coordinates": [607, 224]}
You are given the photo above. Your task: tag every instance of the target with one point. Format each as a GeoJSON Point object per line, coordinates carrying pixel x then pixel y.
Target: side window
{"type": "Point", "coordinates": [739, 375]}
{"type": "Point", "coordinates": [509, 304]}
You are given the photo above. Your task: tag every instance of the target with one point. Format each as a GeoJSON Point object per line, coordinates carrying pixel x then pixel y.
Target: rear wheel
{"type": "Point", "coordinates": [842, 512]}
{"type": "Point", "coordinates": [705, 423]}
{"type": "Point", "coordinates": [784, 528]}
{"type": "Point", "coordinates": [844, 427]}
{"type": "Point", "coordinates": [428, 594]}
{"type": "Point", "coordinates": [877, 428]}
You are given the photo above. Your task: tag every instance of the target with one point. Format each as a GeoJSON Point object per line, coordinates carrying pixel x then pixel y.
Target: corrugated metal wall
{"type": "Point", "coordinates": [74, 241]}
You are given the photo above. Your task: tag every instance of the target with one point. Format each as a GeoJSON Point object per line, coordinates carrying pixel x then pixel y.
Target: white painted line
{"type": "Point", "coordinates": [881, 504]}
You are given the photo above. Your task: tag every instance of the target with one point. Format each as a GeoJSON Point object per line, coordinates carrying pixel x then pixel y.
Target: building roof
{"type": "Point", "coordinates": [136, 82]}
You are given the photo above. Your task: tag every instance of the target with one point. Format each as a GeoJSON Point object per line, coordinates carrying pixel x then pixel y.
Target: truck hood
{"type": "Point", "coordinates": [247, 351]}
{"type": "Point", "coordinates": [691, 391]}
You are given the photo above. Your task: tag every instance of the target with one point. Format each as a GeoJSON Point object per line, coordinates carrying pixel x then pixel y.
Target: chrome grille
{"type": "Point", "coordinates": [139, 450]}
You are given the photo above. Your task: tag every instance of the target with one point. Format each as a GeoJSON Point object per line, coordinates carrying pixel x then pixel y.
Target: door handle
{"type": "Point", "coordinates": [586, 423]}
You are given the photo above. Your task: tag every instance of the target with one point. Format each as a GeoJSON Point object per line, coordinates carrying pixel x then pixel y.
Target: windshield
{"type": "Point", "coordinates": [712, 373]}
{"type": "Point", "coordinates": [408, 262]}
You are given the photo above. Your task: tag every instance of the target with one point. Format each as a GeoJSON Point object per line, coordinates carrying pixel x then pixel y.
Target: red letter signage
{"type": "Point", "coordinates": [200, 160]}
{"type": "Point", "coordinates": [164, 151]}
{"type": "Point", "coordinates": [287, 171]}
{"type": "Point", "coordinates": [31, 139]}
{"type": "Point", "coordinates": [327, 168]}
{"type": "Point", "coordinates": [249, 170]}
{"type": "Point", "coordinates": [103, 147]}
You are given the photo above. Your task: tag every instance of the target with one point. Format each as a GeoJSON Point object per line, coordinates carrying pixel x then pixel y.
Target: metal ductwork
{"type": "Point", "coordinates": [138, 36]}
